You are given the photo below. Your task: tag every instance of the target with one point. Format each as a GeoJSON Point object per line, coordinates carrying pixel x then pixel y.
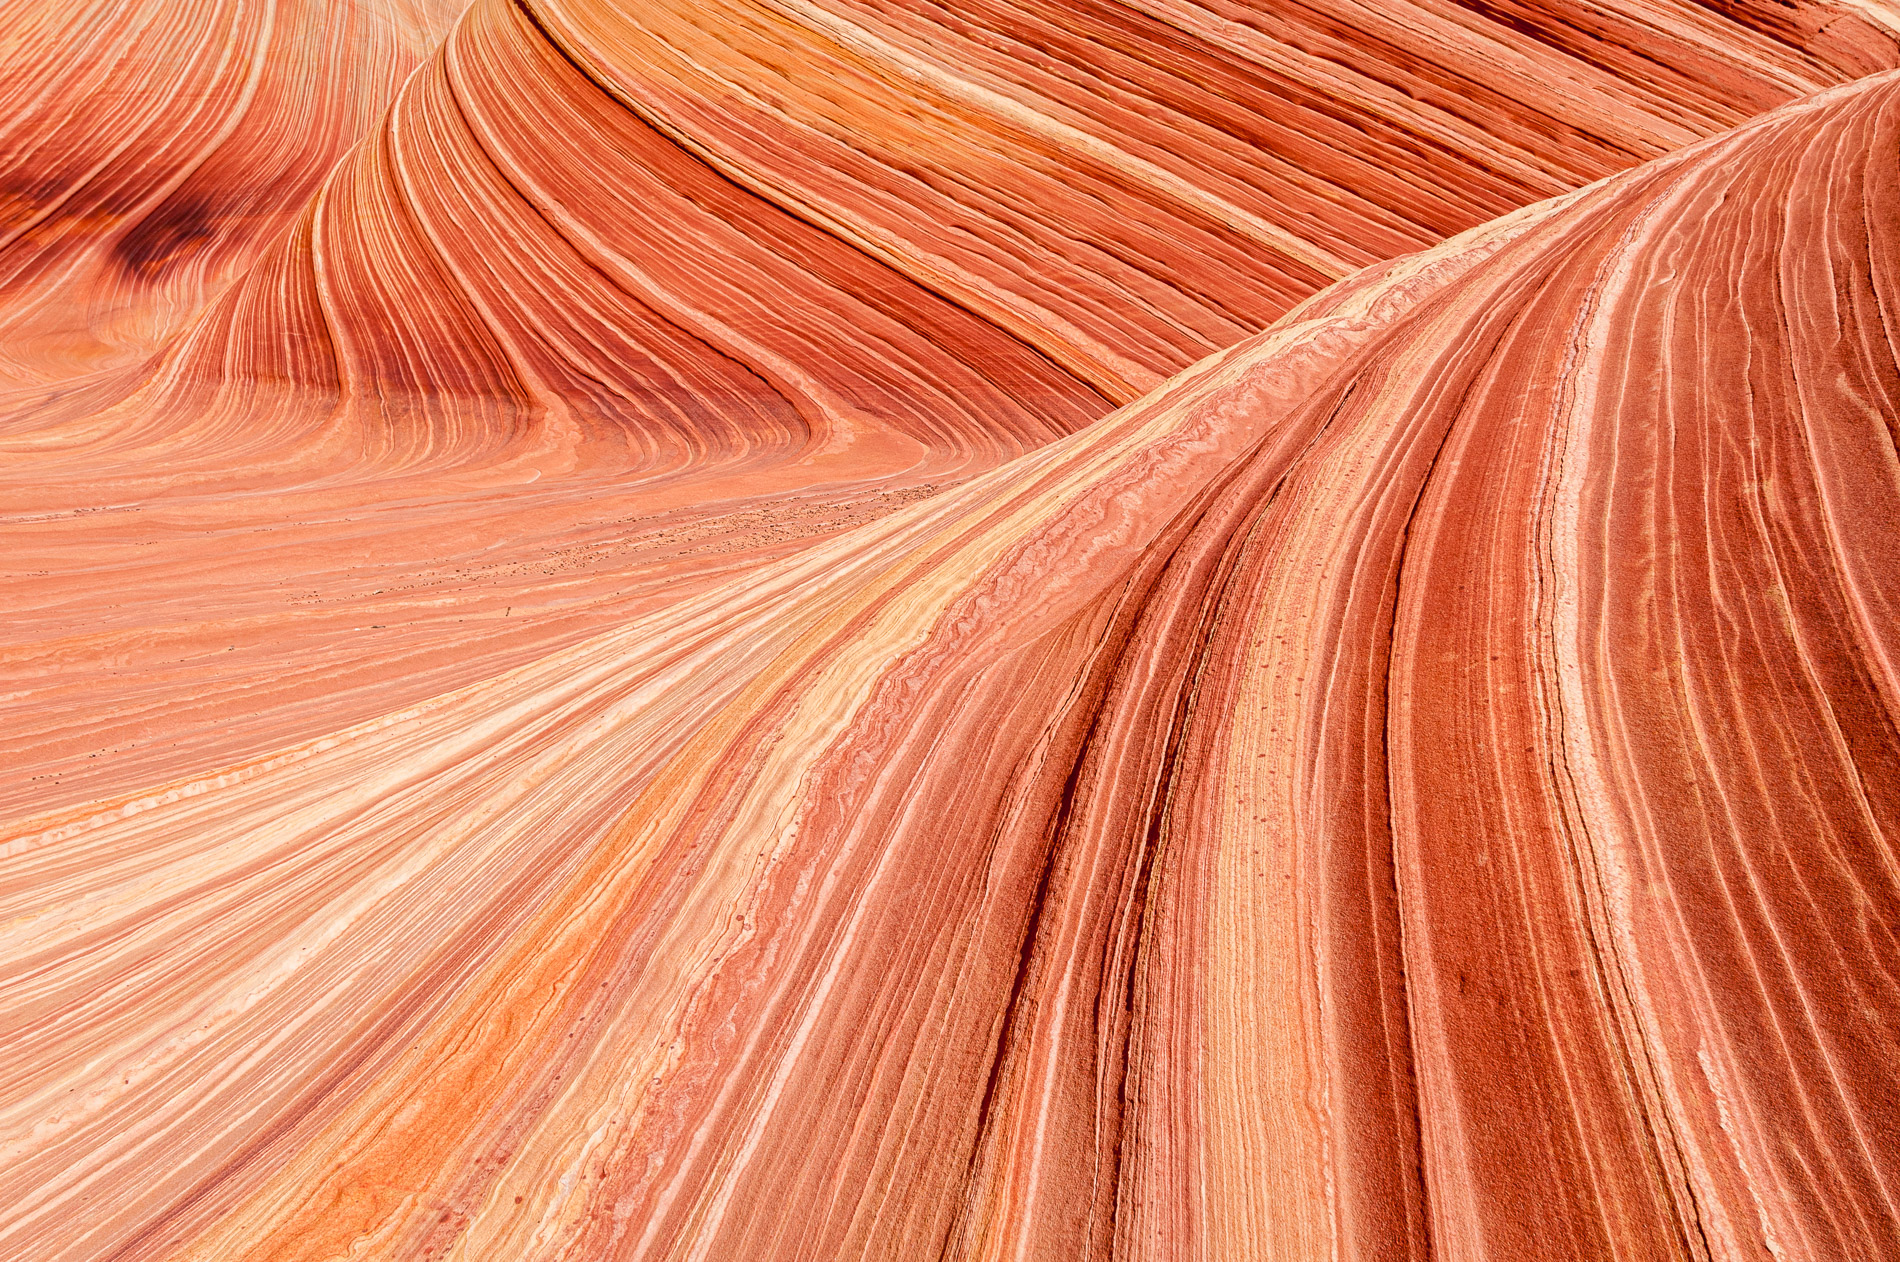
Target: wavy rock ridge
{"type": "Point", "coordinates": [1417, 783]}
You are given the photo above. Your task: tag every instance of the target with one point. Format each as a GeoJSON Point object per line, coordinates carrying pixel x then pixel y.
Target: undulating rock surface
{"type": "Point", "coordinates": [810, 629]}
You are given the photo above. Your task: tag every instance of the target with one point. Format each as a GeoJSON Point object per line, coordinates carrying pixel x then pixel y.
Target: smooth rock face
{"type": "Point", "coordinates": [810, 629]}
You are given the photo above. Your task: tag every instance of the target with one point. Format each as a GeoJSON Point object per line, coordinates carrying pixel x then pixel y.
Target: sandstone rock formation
{"type": "Point", "coordinates": [815, 630]}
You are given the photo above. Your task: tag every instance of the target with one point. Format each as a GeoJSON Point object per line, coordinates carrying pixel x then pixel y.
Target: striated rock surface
{"type": "Point", "coordinates": [149, 150]}
{"type": "Point", "coordinates": [619, 298]}
{"type": "Point", "coordinates": [613, 683]}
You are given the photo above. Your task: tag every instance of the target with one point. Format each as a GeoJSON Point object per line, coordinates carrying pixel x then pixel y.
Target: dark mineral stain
{"type": "Point", "coordinates": [172, 231]}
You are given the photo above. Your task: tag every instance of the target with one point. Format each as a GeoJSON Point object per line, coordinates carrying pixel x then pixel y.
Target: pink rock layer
{"type": "Point", "coordinates": [1418, 783]}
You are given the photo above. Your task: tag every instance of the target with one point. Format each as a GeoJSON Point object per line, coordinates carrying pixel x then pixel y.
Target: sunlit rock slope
{"type": "Point", "coordinates": [809, 630]}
